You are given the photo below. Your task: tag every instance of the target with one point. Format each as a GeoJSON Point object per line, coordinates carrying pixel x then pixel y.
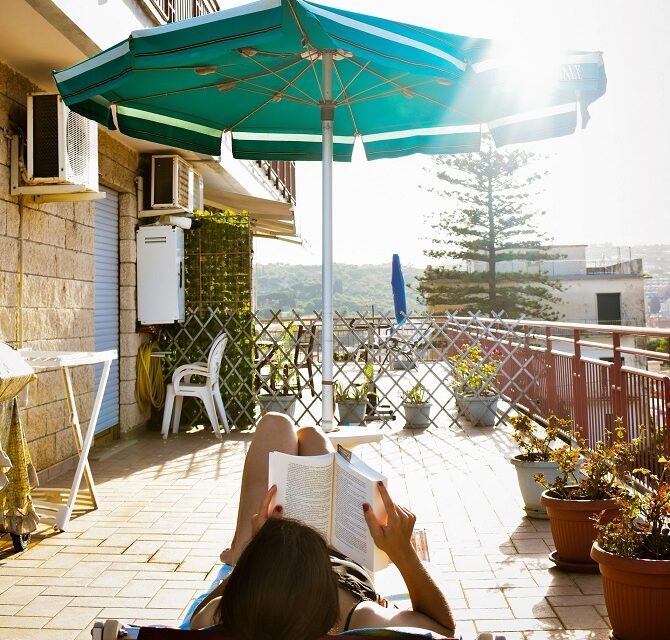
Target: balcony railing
{"type": "Point", "coordinates": [281, 173]}
{"type": "Point", "coordinates": [588, 375]}
{"type": "Point", "coordinates": [175, 10]}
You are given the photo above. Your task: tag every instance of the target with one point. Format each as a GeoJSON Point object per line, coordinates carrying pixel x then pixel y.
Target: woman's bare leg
{"type": "Point", "coordinates": [313, 442]}
{"type": "Point", "coordinates": [274, 432]}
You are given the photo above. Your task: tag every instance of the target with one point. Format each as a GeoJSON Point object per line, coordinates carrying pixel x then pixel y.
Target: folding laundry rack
{"type": "Point", "coordinates": [56, 505]}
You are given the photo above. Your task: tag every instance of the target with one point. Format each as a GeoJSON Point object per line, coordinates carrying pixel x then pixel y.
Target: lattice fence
{"type": "Point", "coordinates": [280, 356]}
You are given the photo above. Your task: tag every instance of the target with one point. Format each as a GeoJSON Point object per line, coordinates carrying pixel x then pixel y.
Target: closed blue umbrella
{"type": "Point", "coordinates": [399, 293]}
{"type": "Point", "coordinates": [294, 80]}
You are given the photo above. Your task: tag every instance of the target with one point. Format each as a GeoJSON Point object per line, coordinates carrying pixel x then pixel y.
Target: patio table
{"type": "Point", "coordinates": [49, 502]}
{"type": "Point", "coordinates": [351, 436]}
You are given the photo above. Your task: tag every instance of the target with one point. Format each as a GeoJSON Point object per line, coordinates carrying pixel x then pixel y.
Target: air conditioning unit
{"type": "Point", "coordinates": [62, 145]}
{"type": "Point", "coordinates": [175, 185]}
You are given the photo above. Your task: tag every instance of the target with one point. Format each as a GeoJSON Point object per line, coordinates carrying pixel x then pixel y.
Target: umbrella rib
{"type": "Point", "coordinates": [403, 61]}
{"type": "Point", "coordinates": [343, 92]}
{"type": "Point", "coordinates": [298, 24]}
{"type": "Point", "coordinates": [397, 88]}
{"type": "Point", "coordinates": [288, 82]}
{"type": "Point", "coordinates": [270, 99]}
{"type": "Point", "coordinates": [210, 85]}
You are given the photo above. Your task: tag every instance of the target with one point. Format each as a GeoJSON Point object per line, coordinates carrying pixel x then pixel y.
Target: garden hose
{"type": "Point", "coordinates": [149, 385]}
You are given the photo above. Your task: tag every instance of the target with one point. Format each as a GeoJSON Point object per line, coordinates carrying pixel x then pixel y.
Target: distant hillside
{"type": "Point", "coordinates": [356, 288]}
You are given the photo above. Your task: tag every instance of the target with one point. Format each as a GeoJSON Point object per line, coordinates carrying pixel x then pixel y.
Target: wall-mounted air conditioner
{"type": "Point", "coordinates": [175, 186]}
{"type": "Point", "coordinates": [62, 145]}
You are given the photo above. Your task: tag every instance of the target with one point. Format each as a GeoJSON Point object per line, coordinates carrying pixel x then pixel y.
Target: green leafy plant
{"type": "Point", "coordinates": [282, 372]}
{"type": "Point", "coordinates": [537, 443]}
{"type": "Point", "coordinates": [474, 371]}
{"type": "Point", "coordinates": [217, 265]}
{"type": "Point", "coordinates": [351, 391]}
{"type": "Point", "coordinates": [641, 529]}
{"type": "Point", "coordinates": [592, 474]}
{"type": "Point", "coordinates": [418, 394]}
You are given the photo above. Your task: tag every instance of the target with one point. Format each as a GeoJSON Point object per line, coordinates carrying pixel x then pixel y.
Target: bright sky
{"type": "Point", "coordinates": [607, 183]}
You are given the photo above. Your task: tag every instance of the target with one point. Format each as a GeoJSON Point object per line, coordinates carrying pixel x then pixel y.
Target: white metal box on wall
{"type": "Point", "coordinates": [160, 274]}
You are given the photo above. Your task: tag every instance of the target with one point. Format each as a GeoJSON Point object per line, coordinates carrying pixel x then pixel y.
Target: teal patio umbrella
{"type": "Point", "coordinates": [293, 80]}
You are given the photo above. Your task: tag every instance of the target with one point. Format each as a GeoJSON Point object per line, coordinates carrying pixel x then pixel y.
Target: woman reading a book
{"type": "Point", "coordinates": [286, 582]}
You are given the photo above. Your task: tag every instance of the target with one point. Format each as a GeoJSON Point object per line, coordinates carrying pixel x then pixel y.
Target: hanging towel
{"type": "Point", "coordinates": [17, 514]}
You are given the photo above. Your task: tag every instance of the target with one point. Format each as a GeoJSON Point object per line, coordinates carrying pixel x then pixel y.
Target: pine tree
{"type": "Point", "coordinates": [493, 222]}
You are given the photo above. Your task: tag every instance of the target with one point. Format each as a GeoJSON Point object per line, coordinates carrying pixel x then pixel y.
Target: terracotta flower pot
{"type": "Point", "coordinates": [573, 529]}
{"type": "Point", "coordinates": [637, 595]}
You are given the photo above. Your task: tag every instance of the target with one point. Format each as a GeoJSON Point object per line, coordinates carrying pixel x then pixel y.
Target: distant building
{"type": "Point", "coordinates": [592, 293]}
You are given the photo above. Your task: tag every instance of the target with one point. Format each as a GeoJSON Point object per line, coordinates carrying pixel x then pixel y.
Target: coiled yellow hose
{"type": "Point", "coordinates": [149, 386]}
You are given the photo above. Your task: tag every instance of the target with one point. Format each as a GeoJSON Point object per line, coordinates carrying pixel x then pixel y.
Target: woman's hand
{"type": "Point", "coordinates": [394, 537]}
{"type": "Point", "coordinates": [260, 518]}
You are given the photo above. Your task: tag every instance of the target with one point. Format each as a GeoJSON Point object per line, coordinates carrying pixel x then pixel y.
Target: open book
{"type": "Point", "coordinates": [327, 493]}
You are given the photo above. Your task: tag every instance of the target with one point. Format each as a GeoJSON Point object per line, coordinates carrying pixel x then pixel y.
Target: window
{"type": "Point", "coordinates": [609, 308]}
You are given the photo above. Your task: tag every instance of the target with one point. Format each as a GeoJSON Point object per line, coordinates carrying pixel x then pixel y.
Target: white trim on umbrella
{"type": "Point", "coordinates": [572, 58]}
{"type": "Point", "coordinates": [118, 51]}
{"type": "Point", "coordinates": [289, 137]}
{"type": "Point", "coordinates": [369, 29]}
{"type": "Point", "coordinates": [172, 122]}
{"type": "Point", "coordinates": [535, 114]}
{"type": "Point", "coordinates": [428, 131]}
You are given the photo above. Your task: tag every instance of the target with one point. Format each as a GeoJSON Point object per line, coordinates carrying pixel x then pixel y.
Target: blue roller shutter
{"type": "Point", "coordinates": [107, 301]}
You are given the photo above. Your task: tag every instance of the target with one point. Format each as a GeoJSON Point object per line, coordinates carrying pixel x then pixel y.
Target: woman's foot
{"type": "Point", "coordinates": [227, 556]}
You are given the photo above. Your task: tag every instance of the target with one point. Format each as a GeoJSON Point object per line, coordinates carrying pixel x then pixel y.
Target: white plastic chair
{"type": "Point", "coordinates": [208, 391]}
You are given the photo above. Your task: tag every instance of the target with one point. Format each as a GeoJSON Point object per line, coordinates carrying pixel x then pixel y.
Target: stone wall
{"type": "Point", "coordinates": [47, 295]}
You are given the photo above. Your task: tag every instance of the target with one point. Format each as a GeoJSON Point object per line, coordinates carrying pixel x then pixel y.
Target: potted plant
{"type": "Point", "coordinates": [575, 496]}
{"type": "Point", "coordinates": [281, 379]}
{"type": "Point", "coordinates": [473, 384]}
{"type": "Point", "coordinates": [416, 407]}
{"type": "Point", "coordinates": [351, 401]}
{"type": "Point", "coordinates": [633, 553]}
{"type": "Point", "coordinates": [537, 444]}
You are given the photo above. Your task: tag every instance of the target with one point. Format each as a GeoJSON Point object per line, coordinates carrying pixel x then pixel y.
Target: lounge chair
{"type": "Point", "coordinates": [113, 629]}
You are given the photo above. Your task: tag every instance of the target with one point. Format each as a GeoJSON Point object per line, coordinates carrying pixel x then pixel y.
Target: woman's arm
{"type": "Point", "coordinates": [427, 599]}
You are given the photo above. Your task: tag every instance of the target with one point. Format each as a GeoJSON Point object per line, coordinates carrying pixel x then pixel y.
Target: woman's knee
{"type": "Point", "coordinates": [312, 441]}
{"type": "Point", "coordinates": [276, 424]}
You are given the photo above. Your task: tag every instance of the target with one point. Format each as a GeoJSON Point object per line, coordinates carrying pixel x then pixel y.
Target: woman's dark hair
{"type": "Point", "coordinates": [283, 586]}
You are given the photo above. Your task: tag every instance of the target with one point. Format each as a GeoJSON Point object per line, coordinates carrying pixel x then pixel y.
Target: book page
{"type": "Point", "coordinates": [304, 488]}
{"type": "Point", "coordinates": [355, 484]}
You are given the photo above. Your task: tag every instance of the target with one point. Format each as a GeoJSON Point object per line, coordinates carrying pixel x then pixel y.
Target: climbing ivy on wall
{"type": "Point", "coordinates": [218, 292]}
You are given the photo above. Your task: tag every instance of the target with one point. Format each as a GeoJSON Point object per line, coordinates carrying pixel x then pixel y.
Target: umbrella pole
{"type": "Point", "coordinates": [327, 119]}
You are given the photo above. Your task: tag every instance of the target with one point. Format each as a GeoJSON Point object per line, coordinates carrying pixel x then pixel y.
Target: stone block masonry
{"type": "Point", "coordinates": [47, 284]}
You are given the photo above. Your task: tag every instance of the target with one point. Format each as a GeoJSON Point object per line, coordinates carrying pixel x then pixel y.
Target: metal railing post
{"type": "Point", "coordinates": [579, 387]}
{"type": "Point", "coordinates": [552, 401]}
{"type": "Point", "coordinates": [617, 381]}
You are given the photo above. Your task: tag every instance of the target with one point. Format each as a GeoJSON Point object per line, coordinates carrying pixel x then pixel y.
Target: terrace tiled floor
{"type": "Point", "coordinates": [168, 509]}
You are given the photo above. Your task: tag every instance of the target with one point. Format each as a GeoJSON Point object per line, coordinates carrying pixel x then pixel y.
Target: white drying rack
{"type": "Point", "coordinates": [56, 505]}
